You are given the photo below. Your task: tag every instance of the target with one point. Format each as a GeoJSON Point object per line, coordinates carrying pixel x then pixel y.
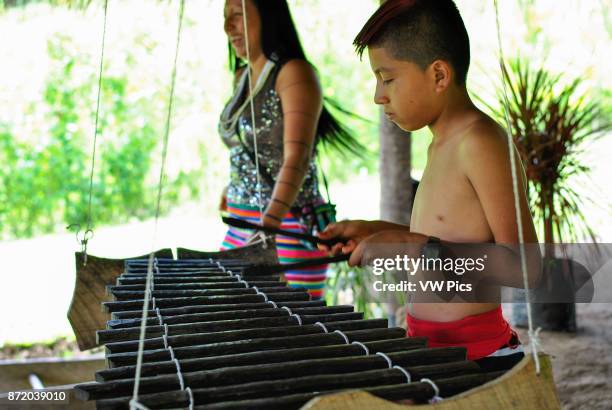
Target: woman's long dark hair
{"type": "Point", "coordinates": [280, 43]}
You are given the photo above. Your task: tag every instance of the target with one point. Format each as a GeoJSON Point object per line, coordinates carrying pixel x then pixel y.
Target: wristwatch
{"type": "Point", "coordinates": [433, 248]}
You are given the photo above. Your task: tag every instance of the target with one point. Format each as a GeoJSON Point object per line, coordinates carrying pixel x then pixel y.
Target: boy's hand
{"type": "Point", "coordinates": [370, 247]}
{"type": "Point", "coordinates": [350, 232]}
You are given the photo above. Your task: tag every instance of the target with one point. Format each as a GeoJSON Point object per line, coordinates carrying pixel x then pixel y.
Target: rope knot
{"type": "Point", "coordinates": [82, 239]}
{"type": "Point", "coordinates": [536, 345]}
{"type": "Point", "coordinates": [259, 237]}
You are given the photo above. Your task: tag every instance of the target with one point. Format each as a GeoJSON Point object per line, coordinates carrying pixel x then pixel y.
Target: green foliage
{"type": "Point", "coordinates": [64, 156]}
{"type": "Point", "coordinates": [551, 123]}
{"type": "Point", "coordinates": [346, 285]}
{"type": "Point", "coordinates": [77, 4]}
{"type": "Point", "coordinates": [43, 173]}
{"type": "Point", "coordinates": [23, 201]}
{"type": "Point", "coordinates": [345, 80]}
{"type": "Point", "coordinates": [59, 347]}
{"type": "Point", "coordinates": [45, 179]}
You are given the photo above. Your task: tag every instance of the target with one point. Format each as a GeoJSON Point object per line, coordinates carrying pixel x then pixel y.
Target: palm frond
{"type": "Point", "coordinates": [550, 124]}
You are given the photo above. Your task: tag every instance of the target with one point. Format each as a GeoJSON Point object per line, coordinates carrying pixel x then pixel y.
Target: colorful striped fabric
{"type": "Point", "coordinates": [290, 250]}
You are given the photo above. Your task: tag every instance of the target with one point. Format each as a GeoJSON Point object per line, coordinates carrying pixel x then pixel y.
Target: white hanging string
{"type": "Point", "coordinates": [533, 336]}
{"type": "Point", "coordinates": [88, 233]}
{"type": "Point", "coordinates": [145, 310]}
{"type": "Point", "coordinates": [134, 404]}
{"type": "Point", "coordinates": [251, 97]}
{"type": "Point", "coordinates": [93, 154]}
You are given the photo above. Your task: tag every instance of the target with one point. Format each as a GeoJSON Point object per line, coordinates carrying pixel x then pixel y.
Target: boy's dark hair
{"type": "Point", "coordinates": [419, 31]}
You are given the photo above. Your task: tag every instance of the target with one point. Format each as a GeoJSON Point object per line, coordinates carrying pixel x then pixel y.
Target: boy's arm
{"type": "Point", "coordinates": [484, 159]}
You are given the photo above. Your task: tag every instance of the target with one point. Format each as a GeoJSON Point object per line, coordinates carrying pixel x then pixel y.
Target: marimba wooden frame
{"type": "Point", "coordinates": [520, 388]}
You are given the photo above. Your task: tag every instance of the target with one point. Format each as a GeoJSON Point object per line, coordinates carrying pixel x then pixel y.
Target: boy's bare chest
{"type": "Point", "coordinates": [446, 205]}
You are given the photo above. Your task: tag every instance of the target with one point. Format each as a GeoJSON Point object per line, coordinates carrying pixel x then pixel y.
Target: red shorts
{"type": "Point", "coordinates": [482, 334]}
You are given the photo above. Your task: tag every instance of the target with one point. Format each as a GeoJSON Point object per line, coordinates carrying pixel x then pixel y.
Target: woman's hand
{"type": "Point", "coordinates": [223, 201]}
{"type": "Point", "coordinates": [271, 221]}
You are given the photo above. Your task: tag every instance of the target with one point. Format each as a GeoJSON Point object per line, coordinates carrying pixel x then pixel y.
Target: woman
{"type": "Point", "coordinates": [290, 120]}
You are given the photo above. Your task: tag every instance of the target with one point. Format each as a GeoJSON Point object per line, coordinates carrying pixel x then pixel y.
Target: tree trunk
{"type": "Point", "coordinates": [395, 181]}
{"type": "Point", "coordinates": [395, 185]}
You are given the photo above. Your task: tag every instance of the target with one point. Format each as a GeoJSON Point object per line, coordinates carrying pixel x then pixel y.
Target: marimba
{"type": "Point", "coordinates": [224, 332]}
{"type": "Point", "coordinates": [227, 334]}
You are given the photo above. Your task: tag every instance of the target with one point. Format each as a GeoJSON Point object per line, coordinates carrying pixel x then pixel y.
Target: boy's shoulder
{"type": "Point", "coordinates": [483, 139]}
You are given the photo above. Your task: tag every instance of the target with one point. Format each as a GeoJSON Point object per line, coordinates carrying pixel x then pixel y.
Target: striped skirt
{"type": "Point", "coordinates": [290, 250]}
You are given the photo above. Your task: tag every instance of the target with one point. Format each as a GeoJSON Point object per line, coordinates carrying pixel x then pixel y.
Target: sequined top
{"type": "Point", "coordinates": [242, 188]}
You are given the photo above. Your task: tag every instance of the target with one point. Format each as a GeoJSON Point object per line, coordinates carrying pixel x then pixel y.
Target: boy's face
{"type": "Point", "coordinates": [406, 92]}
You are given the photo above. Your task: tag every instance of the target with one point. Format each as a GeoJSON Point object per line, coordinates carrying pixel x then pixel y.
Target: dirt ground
{"type": "Point", "coordinates": [582, 362]}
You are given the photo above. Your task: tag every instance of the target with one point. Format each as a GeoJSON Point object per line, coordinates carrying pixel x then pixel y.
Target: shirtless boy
{"type": "Point", "coordinates": [419, 52]}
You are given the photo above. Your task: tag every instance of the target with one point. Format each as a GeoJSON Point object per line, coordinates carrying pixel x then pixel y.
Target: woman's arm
{"type": "Point", "coordinates": [301, 99]}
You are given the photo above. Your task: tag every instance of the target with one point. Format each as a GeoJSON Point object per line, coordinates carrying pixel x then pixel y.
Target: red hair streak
{"type": "Point", "coordinates": [387, 11]}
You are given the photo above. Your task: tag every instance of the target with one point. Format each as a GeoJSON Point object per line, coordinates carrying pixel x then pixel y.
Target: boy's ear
{"type": "Point", "coordinates": [442, 74]}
